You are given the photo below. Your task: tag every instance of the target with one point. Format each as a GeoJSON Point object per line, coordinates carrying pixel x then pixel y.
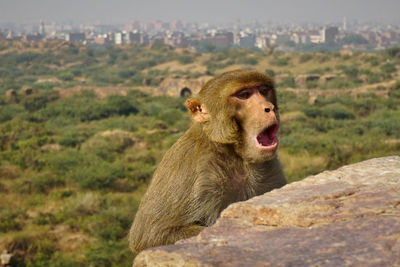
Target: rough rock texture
{"type": "Point", "coordinates": [350, 216]}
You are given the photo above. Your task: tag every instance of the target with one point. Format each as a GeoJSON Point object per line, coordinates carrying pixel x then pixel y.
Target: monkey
{"type": "Point", "coordinates": [227, 155]}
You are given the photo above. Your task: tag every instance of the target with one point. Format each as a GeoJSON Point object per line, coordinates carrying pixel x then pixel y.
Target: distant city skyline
{"type": "Point", "coordinates": [212, 11]}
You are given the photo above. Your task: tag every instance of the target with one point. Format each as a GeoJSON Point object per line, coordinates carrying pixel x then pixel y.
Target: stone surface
{"type": "Point", "coordinates": [177, 86]}
{"type": "Point", "coordinates": [350, 216]}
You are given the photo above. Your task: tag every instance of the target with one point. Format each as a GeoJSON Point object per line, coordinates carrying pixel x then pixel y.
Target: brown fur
{"type": "Point", "coordinates": [212, 165]}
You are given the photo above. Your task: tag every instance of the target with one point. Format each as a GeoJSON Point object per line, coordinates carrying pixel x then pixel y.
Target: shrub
{"type": "Point", "coordinates": [65, 161]}
{"type": "Point", "coordinates": [388, 68]}
{"type": "Point", "coordinates": [119, 105]}
{"type": "Point", "coordinates": [185, 59]}
{"type": "Point", "coordinates": [390, 126]}
{"type": "Point", "coordinates": [337, 111]}
{"type": "Point", "coordinates": [312, 112]}
{"type": "Point", "coordinates": [97, 175]}
{"type": "Point", "coordinates": [338, 83]}
{"type": "Point", "coordinates": [350, 71]}
{"type": "Point", "coordinates": [392, 52]}
{"type": "Point", "coordinates": [10, 220]}
{"type": "Point", "coordinates": [354, 39]}
{"type": "Point", "coordinates": [281, 62]}
{"type": "Point", "coordinates": [65, 76]}
{"type": "Point", "coordinates": [126, 74]}
{"type": "Point", "coordinates": [38, 101]}
{"type": "Point", "coordinates": [69, 140]}
{"type": "Point", "coordinates": [247, 60]}
{"type": "Point", "coordinates": [288, 81]}
{"type": "Point", "coordinates": [44, 219]}
{"type": "Point", "coordinates": [312, 84]}
{"type": "Point", "coordinates": [305, 57]}
{"type": "Point", "coordinates": [43, 182]}
{"type": "Point", "coordinates": [140, 171]}
{"type": "Point", "coordinates": [9, 111]}
{"type": "Point", "coordinates": [270, 73]}
{"type": "Point", "coordinates": [107, 145]}
{"type": "Point", "coordinates": [86, 204]}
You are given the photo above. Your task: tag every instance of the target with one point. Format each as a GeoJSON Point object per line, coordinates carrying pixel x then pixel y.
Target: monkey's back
{"type": "Point", "coordinates": [170, 198]}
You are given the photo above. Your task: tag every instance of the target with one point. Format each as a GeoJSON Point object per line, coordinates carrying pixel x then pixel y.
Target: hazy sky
{"type": "Point", "coordinates": [214, 11]}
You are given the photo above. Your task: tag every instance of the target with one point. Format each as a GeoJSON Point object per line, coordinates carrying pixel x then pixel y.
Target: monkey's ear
{"type": "Point", "coordinates": [197, 110]}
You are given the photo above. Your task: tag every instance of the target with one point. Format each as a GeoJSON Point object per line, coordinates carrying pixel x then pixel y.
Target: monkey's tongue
{"type": "Point", "coordinates": [268, 136]}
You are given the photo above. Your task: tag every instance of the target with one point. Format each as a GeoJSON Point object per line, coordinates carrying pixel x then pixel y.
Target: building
{"type": "Point", "coordinates": [119, 38]}
{"type": "Point", "coordinates": [136, 38]}
{"type": "Point", "coordinates": [103, 39]}
{"type": "Point", "coordinates": [262, 41]}
{"type": "Point", "coordinates": [300, 38]}
{"type": "Point", "coordinates": [315, 37]}
{"type": "Point", "coordinates": [248, 41]}
{"type": "Point", "coordinates": [75, 37]}
{"type": "Point", "coordinates": [221, 39]}
{"type": "Point", "coordinates": [282, 39]}
{"type": "Point", "coordinates": [42, 30]}
{"type": "Point", "coordinates": [328, 34]}
{"type": "Point", "coordinates": [177, 39]}
{"type": "Point", "coordinates": [33, 37]}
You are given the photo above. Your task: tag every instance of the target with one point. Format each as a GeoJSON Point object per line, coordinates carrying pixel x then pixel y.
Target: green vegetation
{"type": "Point", "coordinates": [74, 164]}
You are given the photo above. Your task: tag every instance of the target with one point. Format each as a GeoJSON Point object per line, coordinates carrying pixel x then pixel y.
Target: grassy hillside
{"type": "Point", "coordinates": [73, 167]}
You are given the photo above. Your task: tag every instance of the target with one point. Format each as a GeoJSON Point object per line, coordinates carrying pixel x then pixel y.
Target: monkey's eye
{"type": "Point", "coordinates": [244, 94]}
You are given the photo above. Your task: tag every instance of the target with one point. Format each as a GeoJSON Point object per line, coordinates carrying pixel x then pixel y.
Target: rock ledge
{"type": "Point", "coordinates": [350, 216]}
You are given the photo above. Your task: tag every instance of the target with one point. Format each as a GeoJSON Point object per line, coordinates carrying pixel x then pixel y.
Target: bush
{"type": "Point", "coordinates": [312, 112]}
{"type": "Point", "coordinates": [43, 182]}
{"type": "Point", "coordinates": [107, 145]}
{"type": "Point", "coordinates": [288, 81]}
{"type": "Point", "coordinates": [45, 219]}
{"type": "Point", "coordinates": [337, 111]}
{"type": "Point", "coordinates": [305, 57]}
{"type": "Point", "coordinates": [119, 105]}
{"type": "Point", "coordinates": [185, 59]}
{"type": "Point", "coordinates": [126, 74]}
{"type": "Point", "coordinates": [86, 204]}
{"type": "Point", "coordinates": [390, 125]}
{"type": "Point", "coordinates": [392, 52]}
{"type": "Point", "coordinates": [338, 83]}
{"type": "Point", "coordinates": [281, 62]}
{"type": "Point", "coordinates": [10, 221]}
{"type": "Point", "coordinates": [388, 68]}
{"type": "Point", "coordinates": [64, 162]}
{"type": "Point", "coordinates": [397, 85]}
{"type": "Point", "coordinates": [9, 111]}
{"type": "Point", "coordinates": [312, 84]}
{"type": "Point", "coordinates": [140, 171]}
{"type": "Point", "coordinates": [65, 76]}
{"type": "Point", "coordinates": [354, 39]}
{"type": "Point", "coordinates": [97, 175]}
{"type": "Point", "coordinates": [270, 73]}
{"type": "Point", "coordinates": [38, 101]}
{"type": "Point", "coordinates": [247, 60]}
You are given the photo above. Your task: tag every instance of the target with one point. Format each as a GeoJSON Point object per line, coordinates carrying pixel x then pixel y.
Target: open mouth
{"type": "Point", "coordinates": [268, 137]}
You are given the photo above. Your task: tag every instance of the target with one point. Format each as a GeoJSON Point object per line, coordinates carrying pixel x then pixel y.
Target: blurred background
{"type": "Point", "coordinates": [92, 94]}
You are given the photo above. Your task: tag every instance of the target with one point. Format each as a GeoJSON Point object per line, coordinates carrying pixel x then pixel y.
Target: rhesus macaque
{"type": "Point", "coordinates": [227, 155]}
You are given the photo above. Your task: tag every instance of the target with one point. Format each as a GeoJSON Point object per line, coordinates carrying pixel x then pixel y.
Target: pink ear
{"type": "Point", "coordinates": [193, 105]}
{"type": "Point", "coordinates": [197, 110]}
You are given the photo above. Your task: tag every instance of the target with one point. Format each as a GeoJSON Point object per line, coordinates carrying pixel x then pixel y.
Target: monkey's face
{"type": "Point", "coordinates": [239, 108]}
{"type": "Point", "coordinates": [259, 121]}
